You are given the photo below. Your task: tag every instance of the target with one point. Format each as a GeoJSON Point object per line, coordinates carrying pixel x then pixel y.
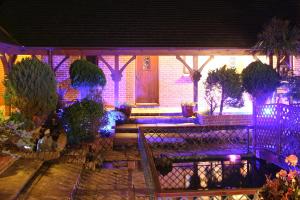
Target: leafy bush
{"type": "Point", "coordinates": [19, 118]}
{"type": "Point", "coordinates": [31, 87]}
{"type": "Point", "coordinates": [260, 80]}
{"type": "Point", "coordinates": [81, 121]}
{"type": "Point", "coordinates": [86, 74]}
{"type": "Point", "coordinates": [229, 83]}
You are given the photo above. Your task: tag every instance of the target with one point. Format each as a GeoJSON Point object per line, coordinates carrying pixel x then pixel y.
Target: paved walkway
{"type": "Point", "coordinates": [112, 184]}
{"type": "Point", "coordinates": [56, 183]}
{"type": "Point", "coordinates": [15, 177]}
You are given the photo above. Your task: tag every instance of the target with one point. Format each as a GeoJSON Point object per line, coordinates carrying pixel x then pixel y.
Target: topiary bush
{"type": "Point", "coordinates": [229, 84]}
{"type": "Point", "coordinates": [86, 75]}
{"type": "Point", "coordinates": [31, 87]}
{"type": "Point", "coordinates": [260, 80]}
{"type": "Point", "coordinates": [82, 120]}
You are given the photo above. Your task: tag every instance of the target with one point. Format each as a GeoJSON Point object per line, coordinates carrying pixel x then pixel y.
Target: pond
{"type": "Point", "coordinates": [227, 172]}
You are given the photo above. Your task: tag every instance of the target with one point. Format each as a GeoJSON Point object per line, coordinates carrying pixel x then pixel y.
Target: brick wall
{"type": "Point", "coordinates": [225, 120]}
{"type": "Point", "coordinates": [174, 86]}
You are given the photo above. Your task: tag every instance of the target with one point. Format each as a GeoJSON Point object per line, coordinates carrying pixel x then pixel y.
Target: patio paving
{"type": "Point", "coordinates": [16, 176]}
{"type": "Point", "coordinates": [56, 183]}
{"type": "Point", "coordinates": [112, 184]}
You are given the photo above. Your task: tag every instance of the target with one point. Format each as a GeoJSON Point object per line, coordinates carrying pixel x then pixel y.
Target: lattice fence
{"type": "Point", "coordinates": [278, 128]}
{"type": "Point", "coordinates": [199, 140]}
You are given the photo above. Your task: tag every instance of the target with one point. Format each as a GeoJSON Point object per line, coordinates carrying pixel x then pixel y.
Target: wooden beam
{"type": "Point", "coordinates": [105, 63]}
{"type": "Point", "coordinates": [127, 63]}
{"type": "Point", "coordinates": [50, 58]}
{"type": "Point", "coordinates": [206, 62]}
{"type": "Point", "coordinates": [195, 82]}
{"type": "Point", "coordinates": [5, 64]}
{"type": "Point", "coordinates": [116, 82]}
{"type": "Point", "coordinates": [184, 63]}
{"type": "Point", "coordinates": [60, 63]}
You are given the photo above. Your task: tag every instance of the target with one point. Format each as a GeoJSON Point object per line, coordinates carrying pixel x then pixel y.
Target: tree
{"type": "Point", "coordinates": [260, 80]}
{"type": "Point", "coordinates": [82, 120]}
{"type": "Point", "coordinates": [229, 82]}
{"type": "Point", "coordinates": [278, 38]}
{"type": "Point", "coordinates": [211, 96]}
{"type": "Point", "coordinates": [86, 76]}
{"type": "Point", "coordinates": [31, 87]}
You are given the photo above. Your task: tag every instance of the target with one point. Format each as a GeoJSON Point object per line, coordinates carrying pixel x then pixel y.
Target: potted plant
{"type": "Point", "coordinates": [285, 185]}
{"type": "Point", "coordinates": [187, 109]}
{"type": "Point", "coordinates": [164, 165]}
{"type": "Point", "coordinates": [125, 108]}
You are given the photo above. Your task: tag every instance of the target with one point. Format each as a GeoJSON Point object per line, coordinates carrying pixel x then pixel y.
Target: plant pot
{"type": "Point", "coordinates": [126, 110]}
{"type": "Point", "coordinates": [187, 111]}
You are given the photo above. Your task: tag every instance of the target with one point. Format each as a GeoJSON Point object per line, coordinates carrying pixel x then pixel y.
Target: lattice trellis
{"type": "Point", "coordinates": [189, 140]}
{"type": "Point", "coordinates": [278, 128]}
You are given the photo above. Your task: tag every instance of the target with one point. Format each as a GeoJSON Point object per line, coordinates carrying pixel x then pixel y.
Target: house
{"type": "Point", "coordinates": [146, 48]}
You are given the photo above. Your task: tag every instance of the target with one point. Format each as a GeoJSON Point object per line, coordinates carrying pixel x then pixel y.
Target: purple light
{"type": "Point", "coordinates": [234, 158]}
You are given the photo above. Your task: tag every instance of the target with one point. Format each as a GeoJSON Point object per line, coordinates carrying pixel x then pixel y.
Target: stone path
{"type": "Point", "coordinates": [113, 184]}
{"type": "Point", "coordinates": [16, 176]}
{"type": "Point", "coordinates": [56, 183]}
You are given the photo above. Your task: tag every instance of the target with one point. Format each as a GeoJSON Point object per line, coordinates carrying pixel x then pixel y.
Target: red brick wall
{"type": "Point", "coordinates": [225, 120]}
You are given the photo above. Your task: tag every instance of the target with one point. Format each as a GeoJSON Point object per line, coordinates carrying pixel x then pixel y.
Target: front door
{"type": "Point", "coordinates": [146, 83]}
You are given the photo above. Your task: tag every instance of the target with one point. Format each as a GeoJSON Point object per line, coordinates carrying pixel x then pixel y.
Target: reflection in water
{"type": "Point", "coordinates": [217, 174]}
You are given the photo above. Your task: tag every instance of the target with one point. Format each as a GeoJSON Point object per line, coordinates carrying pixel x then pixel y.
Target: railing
{"type": "Point", "coordinates": [185, 142]}
{"type": "Point", "coordinates": [203, 140]}
{"type": "Point", "coordinates": [236, 194]}
{"type": "Point", "coordinates": [277, 129]}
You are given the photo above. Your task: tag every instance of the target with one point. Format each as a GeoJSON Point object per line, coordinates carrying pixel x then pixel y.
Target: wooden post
{"type": "Point", "coordinates": [116, 86]}
{"type": "Point", "coordinates": [50, 58]}
{"type": "Point", "coordinates": [116, 74]}
{"type": "Point", "coordinates": [195, 82]}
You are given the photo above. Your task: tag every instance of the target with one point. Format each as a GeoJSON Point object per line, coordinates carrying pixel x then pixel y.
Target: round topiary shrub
{"type": "Point", "coordinates": [85, 76]}
{"type": "Point", "coordinates": [82, 120]}
{"type": "Point", "coordinates": [260, 80]}
{"type": "Point", "coordinates": [31, 87]}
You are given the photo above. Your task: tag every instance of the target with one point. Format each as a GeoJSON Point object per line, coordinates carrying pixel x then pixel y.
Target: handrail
{"type": "Point", "coordinates": [220, 192]}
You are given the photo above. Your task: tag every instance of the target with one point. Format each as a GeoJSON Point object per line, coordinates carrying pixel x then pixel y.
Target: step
{"type": "Point", "coordinates": [127, 128]}
{"type": "Point", "coordinates": [161, 119]}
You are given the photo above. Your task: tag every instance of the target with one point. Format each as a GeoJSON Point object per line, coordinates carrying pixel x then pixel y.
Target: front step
{"type": "Point", "coordinates": [160, 119]}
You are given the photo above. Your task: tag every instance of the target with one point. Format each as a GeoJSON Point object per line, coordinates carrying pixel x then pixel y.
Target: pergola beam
{"type": "Point", "coordinates": [60, 63]}
{"type": "Point", "coordinates": [184, 63]}
{"type": "Point", "coordinates": [116, 73]}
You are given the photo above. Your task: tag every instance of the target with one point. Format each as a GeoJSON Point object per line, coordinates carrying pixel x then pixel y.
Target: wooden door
{"type": "Point", "coordinates": [146, 83]}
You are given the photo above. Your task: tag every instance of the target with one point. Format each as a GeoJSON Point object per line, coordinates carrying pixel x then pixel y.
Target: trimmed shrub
{"type": "Point", "coordinates": [82, 120]}
{"type": "Point", "coordinates": [260, 80]}
{"type": "Point", "coordinates": [86, 74]}
{"type": "Point", "coordinates": [31, 87]}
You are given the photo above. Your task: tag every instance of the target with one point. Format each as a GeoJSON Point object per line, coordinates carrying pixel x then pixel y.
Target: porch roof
{"type": "Point", "coordinates": [159, 24]}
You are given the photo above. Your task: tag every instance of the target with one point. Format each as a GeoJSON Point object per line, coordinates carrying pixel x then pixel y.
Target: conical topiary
{"type": "Point", "coordinates": [31, 87]}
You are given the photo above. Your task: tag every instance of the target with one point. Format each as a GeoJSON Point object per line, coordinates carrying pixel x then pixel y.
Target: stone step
{"type": "Point", "coordinates": [161, 119]}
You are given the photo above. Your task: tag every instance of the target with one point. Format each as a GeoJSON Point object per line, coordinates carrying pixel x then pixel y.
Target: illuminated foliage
{"type": "Point", "coordinates": [31, 87]}
{"type": "Point", "coordinates": [86, 74]}
{"type": "Point", "coordinates": [82, 120]}
{"type": "Point", "coordinates": [229, 84]}
{"type": "Point", "coordinates": [260, 80]}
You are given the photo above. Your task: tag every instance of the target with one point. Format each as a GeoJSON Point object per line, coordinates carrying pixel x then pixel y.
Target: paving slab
{"type": "Point", "coordinates": [56, 183]}
{"type": "Point", "coordinates": [13, 179]}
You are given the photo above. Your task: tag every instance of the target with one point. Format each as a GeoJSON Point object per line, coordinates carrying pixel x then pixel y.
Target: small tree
{"type": "Point", "coordinates": [278, 38]}
{"type": "Point", "coordinates": [82, 120]}
{"type": "Point", "coordinates": [31, 87]}
{"type": "Point", "coordinates": [229, 82]}
{"type": "Point", "coordinates": [260, 80]}
{"type": "Point", "coordinates": [211, 96]}
{"type": "Point", "coordinates": [86, 76]}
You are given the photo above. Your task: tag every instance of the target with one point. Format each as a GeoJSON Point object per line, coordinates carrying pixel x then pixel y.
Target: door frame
{"type": "Point", "coordinates": [135, 80]}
